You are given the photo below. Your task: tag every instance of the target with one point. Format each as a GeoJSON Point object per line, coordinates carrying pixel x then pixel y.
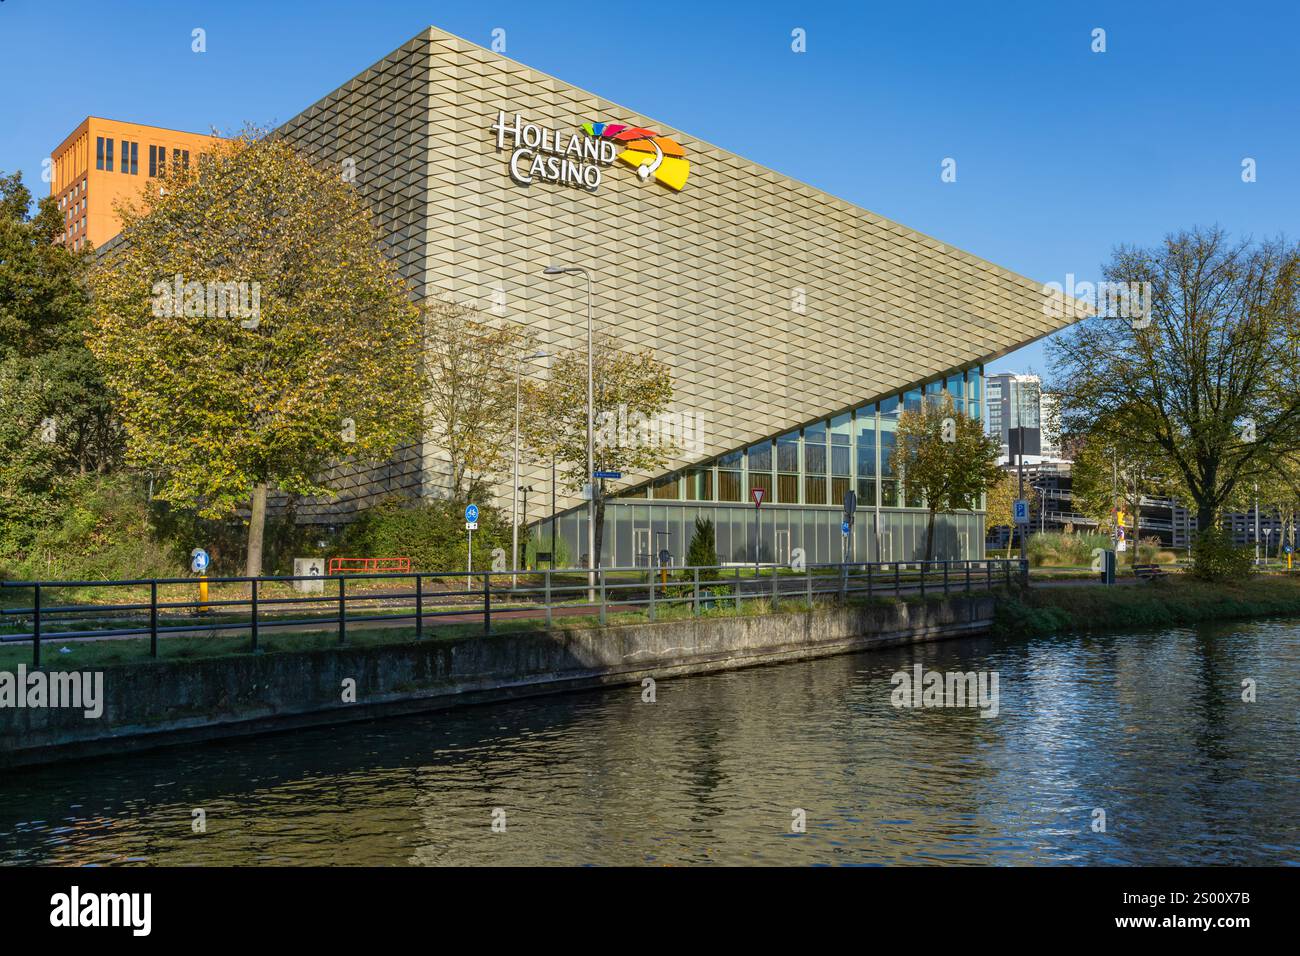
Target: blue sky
{"type": "Point", "coordinates": [1061, 153]}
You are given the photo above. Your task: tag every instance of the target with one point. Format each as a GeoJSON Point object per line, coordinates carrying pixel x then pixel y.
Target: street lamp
{"type": "Point", "coordinates": [514, 504]}
{"type": "Point", "coordinates": [591, 448]}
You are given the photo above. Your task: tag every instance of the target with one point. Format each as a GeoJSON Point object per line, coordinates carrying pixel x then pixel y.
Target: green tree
{"type": "Point", "coordinates": [703, 550]}
{"type": "Point", "coordinates": [292, 342]}
{"type": "Point", "coordinates": [56, 420]}
{"type": "Point", "coordinates": [946, 459]}
{"type": "Point", "coordinates": [1203, 377]}
{"type": "Point", "coordinates": [630, 389]}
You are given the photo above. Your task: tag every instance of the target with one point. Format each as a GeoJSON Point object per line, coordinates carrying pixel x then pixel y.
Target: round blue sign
{"type": "Point", "coordinates": [199, 560]}
{"type": "Point", "coordinates": [844, 527]}
{"type": "Point", "coordinates": [471, 512]}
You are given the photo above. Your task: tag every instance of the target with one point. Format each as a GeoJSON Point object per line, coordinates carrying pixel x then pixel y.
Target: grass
{"type": "Point", "coordinates": [1178, 599]}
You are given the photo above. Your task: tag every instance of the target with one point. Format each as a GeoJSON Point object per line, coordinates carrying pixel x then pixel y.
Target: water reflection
{"type": "Point", "coordinates": [1149, 727]}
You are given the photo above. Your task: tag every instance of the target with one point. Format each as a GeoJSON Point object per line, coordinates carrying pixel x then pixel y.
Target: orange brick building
{"type": "Point", "coordinates": [105, 161]}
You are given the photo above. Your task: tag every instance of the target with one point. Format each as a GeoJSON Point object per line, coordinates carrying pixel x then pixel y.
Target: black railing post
{"type": "Point", "coordinates": [252, 619]}
{"type": "Point", "coordinates": [923, 564]}
{"type": "Point", "coordinates": [968, 576]}
{"type": "Point", "coordinates": [343, 614]}
{"type": "Point", "coordinates": [737, 587]}
{"type": "Point", "coordinates": [897, 582]}
{"type": "Point", "coordinates": [153, 618]}
{"type": "Point", "coordinates": [1006, 565]}
{"type": "Point", "coordinates": [869, 566]}
{"type": "Point", "coordinates": [988, 573]}
{"type": "Point", "coordinates": [36, 625]}
{"type": "Point", "coordinates": [487, 603]}
{"type": "Point", "coordinates": [419, 610]}
{"type": "Point", "coordinates": [546, 595]}
{"type": "Point", "coordinates": [696, 585]}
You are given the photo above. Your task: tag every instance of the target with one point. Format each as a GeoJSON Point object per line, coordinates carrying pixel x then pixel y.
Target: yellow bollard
{"type": "Point", "coordinates": [203, 593]}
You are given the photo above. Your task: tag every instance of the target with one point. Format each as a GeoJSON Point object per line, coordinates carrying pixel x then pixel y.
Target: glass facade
{"type": "Point", "coordinates": [819, 463]}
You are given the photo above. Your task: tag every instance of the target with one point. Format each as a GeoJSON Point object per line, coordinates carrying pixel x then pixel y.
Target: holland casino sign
{"type": "Point", "coordinates": [544, 154]}
{"type": "Point", "coordinates": [541, 154]}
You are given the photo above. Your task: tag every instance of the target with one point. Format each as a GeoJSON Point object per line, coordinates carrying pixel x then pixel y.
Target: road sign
{"type": "Point", "coordinates": [471, 525]}
{"type": "Point", "coordinates": [757, 495]}
{"type": "Point", "coordinates": [850, 503]}
{"type": "Point", "coordinates": [607, 474]}
{"type": "Point", "coordinates": [1022, 511]}
{"type": "Point", "coordinates": [844, 529]}
{"type": "Point", "coordinates": [1287, 549]}
{"type": "Point", "coordinates": [199, 560]}
{"type": "Point", "coordinates": [471, 513]}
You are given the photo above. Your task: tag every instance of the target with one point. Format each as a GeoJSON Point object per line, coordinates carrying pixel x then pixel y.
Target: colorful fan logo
{"type": "Point", "coordinates": [647, 152]}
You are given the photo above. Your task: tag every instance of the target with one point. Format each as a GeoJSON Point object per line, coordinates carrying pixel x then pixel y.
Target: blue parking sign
{"type": "Point", "coordinates": [1022, 511]}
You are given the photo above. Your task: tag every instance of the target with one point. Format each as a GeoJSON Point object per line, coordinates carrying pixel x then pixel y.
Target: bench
{"type": "Point", "coordinates": [1148, 572]}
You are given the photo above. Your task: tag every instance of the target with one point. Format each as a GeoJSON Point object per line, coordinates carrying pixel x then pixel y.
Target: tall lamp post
{"type": "Point", "coordinates": [514, 501]}
{"type": "Point", "coordinates": [591, 448]}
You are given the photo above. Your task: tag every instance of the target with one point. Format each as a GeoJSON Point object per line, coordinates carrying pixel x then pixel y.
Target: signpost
{"type": "Point", "coordinates": [1022, 511]}
{"type": "Point", "coordinates": [611, 475]}
{"type": "Point", "coordinates": [757, 495]}
{"type": "Point", "coordinates": [199, 562]}
{"type": "Point", "coordinates": [471, 525]}
{"type": "Point", "coordinates": [848, 550]}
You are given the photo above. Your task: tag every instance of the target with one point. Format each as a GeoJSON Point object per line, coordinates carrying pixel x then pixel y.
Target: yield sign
{"type": "Point", "coordinates": [757, 494]}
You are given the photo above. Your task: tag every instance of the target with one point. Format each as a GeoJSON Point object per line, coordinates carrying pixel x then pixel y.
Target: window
{"type": "Point", "coordinates": [760, 469]}
{"type": "Point", "coordinates": [889, 409]}
{"type": "Point", "coordinates": [103, 155]}
{"type": "Point", "coordinates": [181, 159]}
{"type": "Point", "coordinates": [666, 489]}
{"type": "Point", "coordinates": [699, 484]}
{"type": "Point", "coordinates": [131, 158]}
{"type": "Point", "coordinates": [787, 463]}
{"type": "Point", "coordinates": [729, 477]}
{"type": "Point", "coordinates": [841, 457]}
{"type": "Point", "coordinates": [866, 423]}
{"type": "Point", "coordinates": [814, 464]}
{"type": "Point", "coordinates": [956, 387]}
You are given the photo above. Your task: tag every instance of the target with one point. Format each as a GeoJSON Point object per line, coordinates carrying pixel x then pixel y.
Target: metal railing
{"type": "Point", "coordinates": [427, 601]}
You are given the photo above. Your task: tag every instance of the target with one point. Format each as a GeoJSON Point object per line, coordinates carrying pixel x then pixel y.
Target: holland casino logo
{"type": "Point", "coordinates": [546, 155]}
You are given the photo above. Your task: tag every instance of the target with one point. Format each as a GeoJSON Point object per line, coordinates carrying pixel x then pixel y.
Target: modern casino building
{"type": "Point", "coordinates": [797, 326]}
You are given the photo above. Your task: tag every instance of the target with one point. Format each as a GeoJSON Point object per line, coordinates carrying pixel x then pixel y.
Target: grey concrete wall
{"type": "Point", "coordinates": [167, 703]}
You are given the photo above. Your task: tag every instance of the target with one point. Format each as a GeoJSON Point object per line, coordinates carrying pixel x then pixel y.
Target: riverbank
{"type": "Point", "coordinates": [1174, 599]}
{"type": "Point", "coordinates": [167, 702]}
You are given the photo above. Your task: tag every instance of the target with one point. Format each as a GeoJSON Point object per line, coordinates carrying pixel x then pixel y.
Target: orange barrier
{"type": "Point", "coordinates": [369, 566]}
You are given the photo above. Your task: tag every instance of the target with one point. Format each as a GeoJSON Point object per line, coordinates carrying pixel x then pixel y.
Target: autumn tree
{"type": "Point", "coordinates": [945, 458]}
{"type": "Point", "coordinates": [1000, 503]}
{"type": "Point", "coordinates": [1206, 377]}
{"type": "Point", "coordinates": [253, 331]}
{"type": "Point", "coordinates": [631, 388]}
{"type": "Point", "coordinates": [470, 366]}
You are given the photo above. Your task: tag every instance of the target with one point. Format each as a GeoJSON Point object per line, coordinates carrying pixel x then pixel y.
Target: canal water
{"type": "Point", "coordinates": [1149, 728]}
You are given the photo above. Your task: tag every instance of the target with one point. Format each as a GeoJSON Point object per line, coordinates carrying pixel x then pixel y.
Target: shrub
{"type": "Point", "coordinates": [432, 534]}
{"type": "Point", "coordinates": [540, 541]}
{"type": "Point", "coordinates": [1053, 548]}
{"type": "Point", "coordinates": [1216, 558]}
{"type": "Point", "coordinates": [703, 551]}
